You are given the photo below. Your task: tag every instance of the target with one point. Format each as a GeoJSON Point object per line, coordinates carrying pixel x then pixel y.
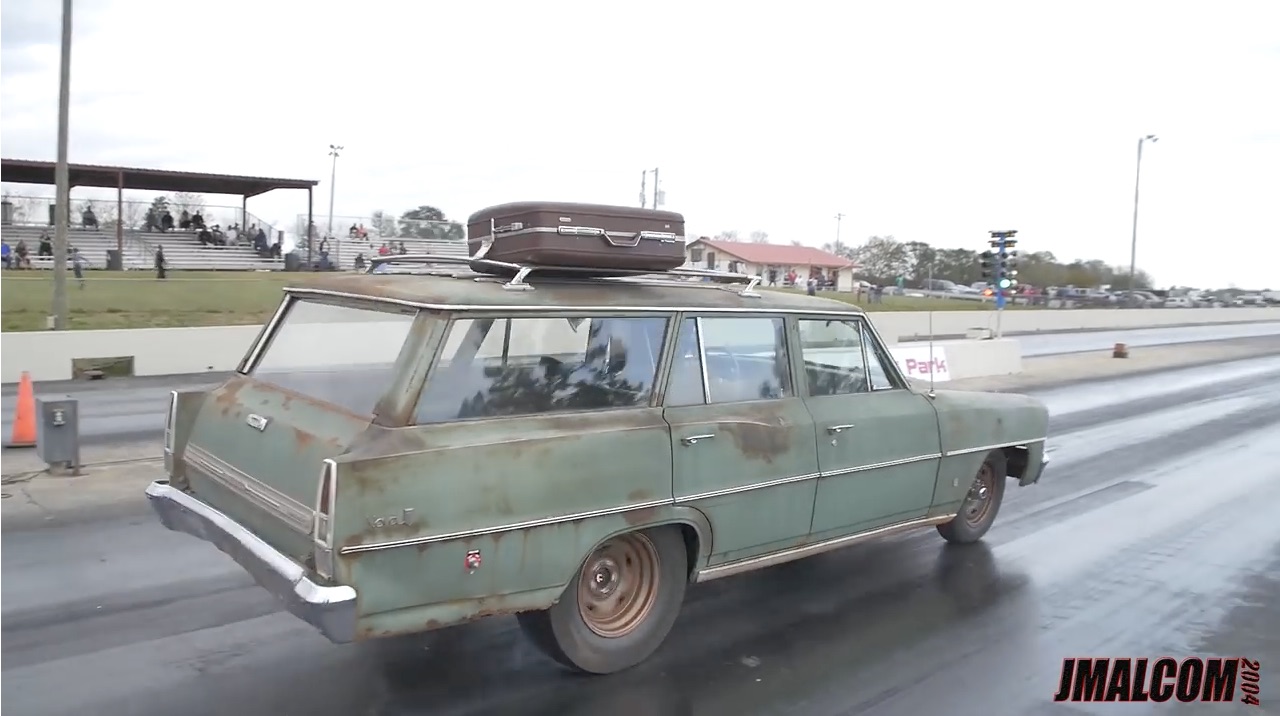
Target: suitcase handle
{"type": "Point", "coordinates": [634, 241]}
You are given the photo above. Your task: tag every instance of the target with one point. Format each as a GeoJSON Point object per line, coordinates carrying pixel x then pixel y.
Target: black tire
{"type": "Point", "coordinates": [648, 591]}
{"type": "Point", "coordinates": [982, 503]}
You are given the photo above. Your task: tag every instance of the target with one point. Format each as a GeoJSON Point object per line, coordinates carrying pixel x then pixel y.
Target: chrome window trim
{"type": "Point", "coordinates": [702, 360]}
{"type": "Point", "coordinates": [250, 359]}
{"type": "Point", "coordinates": [459, 307]}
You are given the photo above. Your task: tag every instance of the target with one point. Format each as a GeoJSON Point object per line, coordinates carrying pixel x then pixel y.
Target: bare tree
{"type": "Point", "coordinates": [759, 237]}
{"type": "Point", "coordinates": [186, 201]}
{"type": "Point", "coordinates": [730, 235]}
{"type": "Point", "coordinates": [383, 224]}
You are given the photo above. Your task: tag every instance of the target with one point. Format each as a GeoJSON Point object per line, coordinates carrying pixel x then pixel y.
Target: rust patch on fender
{"type": "Point", "coordinates": [227, 397]}
{"type": "Point", "coordinates": [302, 438]}
{"type": "Point", "coordinates": [635, 518]}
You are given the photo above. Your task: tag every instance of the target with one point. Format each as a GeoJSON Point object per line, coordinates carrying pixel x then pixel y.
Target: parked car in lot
{"type": "Point", "coordinates": [401, 453]}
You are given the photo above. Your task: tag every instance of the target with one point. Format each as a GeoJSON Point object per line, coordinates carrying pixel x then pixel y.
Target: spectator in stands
{"type": "Point", "coordinates": [324, 247]}
{"type": "Point", "coordinates": [205, 237]}
{"type": "Point", "coordinates": [7, 254]}
{"type": "Point", "coordinates": [276, 249]}
{"type": "Point", "coordinates": [46, 245]}
{"type": "Point", "coordinates": [353, 232]}
{"type": "Point", "coordinates": [88, 219]}
{"type": "Point", "coordinates": [24, 261]}
{"type": "Point", "coordinates": [160, 265]}
{"type": "Point", "coordinates": [402, 251]}
{"type": "Point", "coordinates": [359, 262]}
{"type": "Point", "coordinates": [78, 264]}
{"type": "Point", "coordinates": [184, 220]}
{"type": "Point", "coordinates": [384, 249]}
{"type": "Point", "coordinates": [233, 235]}
{"type": "Point", "coordinates": [166, 221]}
{"type": "Point", "coordinates": [197, 220]}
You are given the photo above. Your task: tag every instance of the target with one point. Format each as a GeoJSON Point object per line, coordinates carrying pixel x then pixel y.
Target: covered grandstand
{"type": "Point", "coordinates": [133, 239]}
{"type": "Point", "coordinates": [124, 230]}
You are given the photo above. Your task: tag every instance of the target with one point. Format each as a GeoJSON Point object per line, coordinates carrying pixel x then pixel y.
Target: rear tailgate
{"type": "Point", "coordinates": [256, 447]}
{"type": "Point", "coordinates": [256, 452]}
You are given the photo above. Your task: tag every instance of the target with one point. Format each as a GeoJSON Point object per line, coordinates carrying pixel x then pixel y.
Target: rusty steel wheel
{"type": "Point", "coordinates": [981, 496]}
{"type": "Point", "coordinates": [618, 585]}
{"type": "Point", "coordinates": [981, 504]}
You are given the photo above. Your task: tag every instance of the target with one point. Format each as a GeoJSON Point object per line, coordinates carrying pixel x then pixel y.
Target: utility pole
{"type": "Point", "coordinates": [644, 195]}
{"type": "Point", "coordinates": [333, 176]}
{"type": "Point", "coordinates": [656, 197]}
{"type": "Point", "coordinates": [1133, 246]}
{"type": "Point", "coordinates": [62, 179]}
{"type": "Point", "coordinates": [839, 217]}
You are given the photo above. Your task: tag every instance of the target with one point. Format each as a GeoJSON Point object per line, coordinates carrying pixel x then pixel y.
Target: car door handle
{"type": "Point", "coordinates": [695, 439]}
{"type": "Point", "coordinates": [839, 428]}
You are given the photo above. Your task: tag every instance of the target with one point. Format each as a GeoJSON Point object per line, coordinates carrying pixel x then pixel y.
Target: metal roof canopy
{"type": "Point", "coordinates": [30, 171]}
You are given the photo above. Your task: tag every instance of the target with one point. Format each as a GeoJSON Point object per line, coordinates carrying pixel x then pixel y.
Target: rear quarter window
{"type": "Point", "coordinates": [338, 354]}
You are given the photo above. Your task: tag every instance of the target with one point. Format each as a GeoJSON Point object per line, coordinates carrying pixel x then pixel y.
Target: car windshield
{"type": "Point", "coordinates": [335, 353]}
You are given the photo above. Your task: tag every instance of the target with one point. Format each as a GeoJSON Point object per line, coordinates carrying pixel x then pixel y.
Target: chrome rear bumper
{"type": "Point", "coordinates": [332, 610]}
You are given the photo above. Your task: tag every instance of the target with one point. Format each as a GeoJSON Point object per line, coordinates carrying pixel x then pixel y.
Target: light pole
{"type": "Point", "coordinates": [1133, 246]}
{"type": "Point", "coordinates": [839, 217]}
{"type": "Point", "coordinates": [333, 176]}
{"type": "Point", "coordinates": [62, 179]}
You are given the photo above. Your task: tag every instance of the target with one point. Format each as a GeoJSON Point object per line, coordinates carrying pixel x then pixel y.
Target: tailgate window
{"type": "Point", "coordinates": [338, 354]}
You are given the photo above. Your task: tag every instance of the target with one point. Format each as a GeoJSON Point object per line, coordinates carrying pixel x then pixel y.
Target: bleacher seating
{"type": "Point", "coordinates": [183, 251]}
{"type": "Point", "coordinates": [344, 251]}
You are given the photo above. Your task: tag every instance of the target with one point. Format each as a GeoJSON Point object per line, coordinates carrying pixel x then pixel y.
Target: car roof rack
{"type": "Point", "coordinates": [466, 267]}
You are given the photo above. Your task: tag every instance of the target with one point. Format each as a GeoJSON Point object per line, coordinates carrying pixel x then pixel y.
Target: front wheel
{"type": "Point", "coordinates": [981, 504]}
{"type": "Point", "coordinates": [621, 606]}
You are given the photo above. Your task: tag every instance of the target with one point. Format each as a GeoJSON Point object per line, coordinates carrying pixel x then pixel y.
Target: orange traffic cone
{"type": "Point", "coordinates": [24, 416]}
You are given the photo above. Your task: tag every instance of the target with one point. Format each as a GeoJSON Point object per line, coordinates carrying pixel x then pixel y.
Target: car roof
{"type": "Point", "coordinates": [472, 292]}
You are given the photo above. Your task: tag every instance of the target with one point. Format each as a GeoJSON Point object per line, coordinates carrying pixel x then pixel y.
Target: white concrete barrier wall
{"type": "Point", "coordinates": [909, 325]}
{"type": "Point", "coordinates": [48, 355]}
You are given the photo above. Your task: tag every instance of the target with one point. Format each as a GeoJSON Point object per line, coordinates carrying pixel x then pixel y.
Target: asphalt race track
{"type": "Point", "coordinates": [124, 410]}
{"type": "Point", "coordinates": [1155, 532]}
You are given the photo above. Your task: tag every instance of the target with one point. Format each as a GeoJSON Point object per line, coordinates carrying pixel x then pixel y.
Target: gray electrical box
{"type": "Point", "coordinates": [58, 432]}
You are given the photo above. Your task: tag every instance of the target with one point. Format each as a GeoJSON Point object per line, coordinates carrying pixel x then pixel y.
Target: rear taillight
{"type": "Point", "coordinates": [168, 431]}
{"type": "Point", "coordinates": [322, 528]}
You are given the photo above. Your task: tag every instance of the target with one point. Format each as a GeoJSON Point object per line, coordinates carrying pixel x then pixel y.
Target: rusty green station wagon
{"type": "Point", "coordinates": [410, 450]}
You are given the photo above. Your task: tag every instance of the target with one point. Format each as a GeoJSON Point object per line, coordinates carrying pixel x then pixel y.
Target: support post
{"type": "Point", "coordinates": [307, 229]}
{"type": "Point", "coordinates": [120, 215]}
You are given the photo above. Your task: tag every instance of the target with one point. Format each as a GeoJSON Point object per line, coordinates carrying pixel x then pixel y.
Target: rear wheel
{"type": "Point", "coordinates": [619, 608]}
{"type": "Point", "coordinates": [981, 504]}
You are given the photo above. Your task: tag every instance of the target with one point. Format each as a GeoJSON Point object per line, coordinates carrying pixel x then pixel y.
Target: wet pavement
{"type": "Point", "coordinates": [133, 409]}
{"type": "Point", "coordinates": [1156, 532]}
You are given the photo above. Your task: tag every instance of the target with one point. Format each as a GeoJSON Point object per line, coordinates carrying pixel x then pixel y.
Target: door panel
{"type": "Point", "coordinates": [749, 464]}
{"type": "Point", "coordinates": [880, 471]}
{"type": "Point", "coordinates": [878, 445]}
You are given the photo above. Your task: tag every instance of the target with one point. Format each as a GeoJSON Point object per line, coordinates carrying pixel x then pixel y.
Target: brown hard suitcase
{"type": "Point", "coordinates": [591, 238]}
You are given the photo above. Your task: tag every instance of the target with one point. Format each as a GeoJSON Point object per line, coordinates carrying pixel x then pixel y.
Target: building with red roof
{"type": "Point", "coordinates": [764, 259]}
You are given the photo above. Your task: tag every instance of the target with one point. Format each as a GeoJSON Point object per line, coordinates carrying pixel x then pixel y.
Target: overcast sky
{"type": "Point", "coordinates": [928, 121]}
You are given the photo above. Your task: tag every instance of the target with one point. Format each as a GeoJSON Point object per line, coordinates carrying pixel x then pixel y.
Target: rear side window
{"type": "Point", "coordinates": [338, 354]}
{"type": "Point", "coordinates": [494, 367]}
{"type": "Point", "coordinates": [742, 359]}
